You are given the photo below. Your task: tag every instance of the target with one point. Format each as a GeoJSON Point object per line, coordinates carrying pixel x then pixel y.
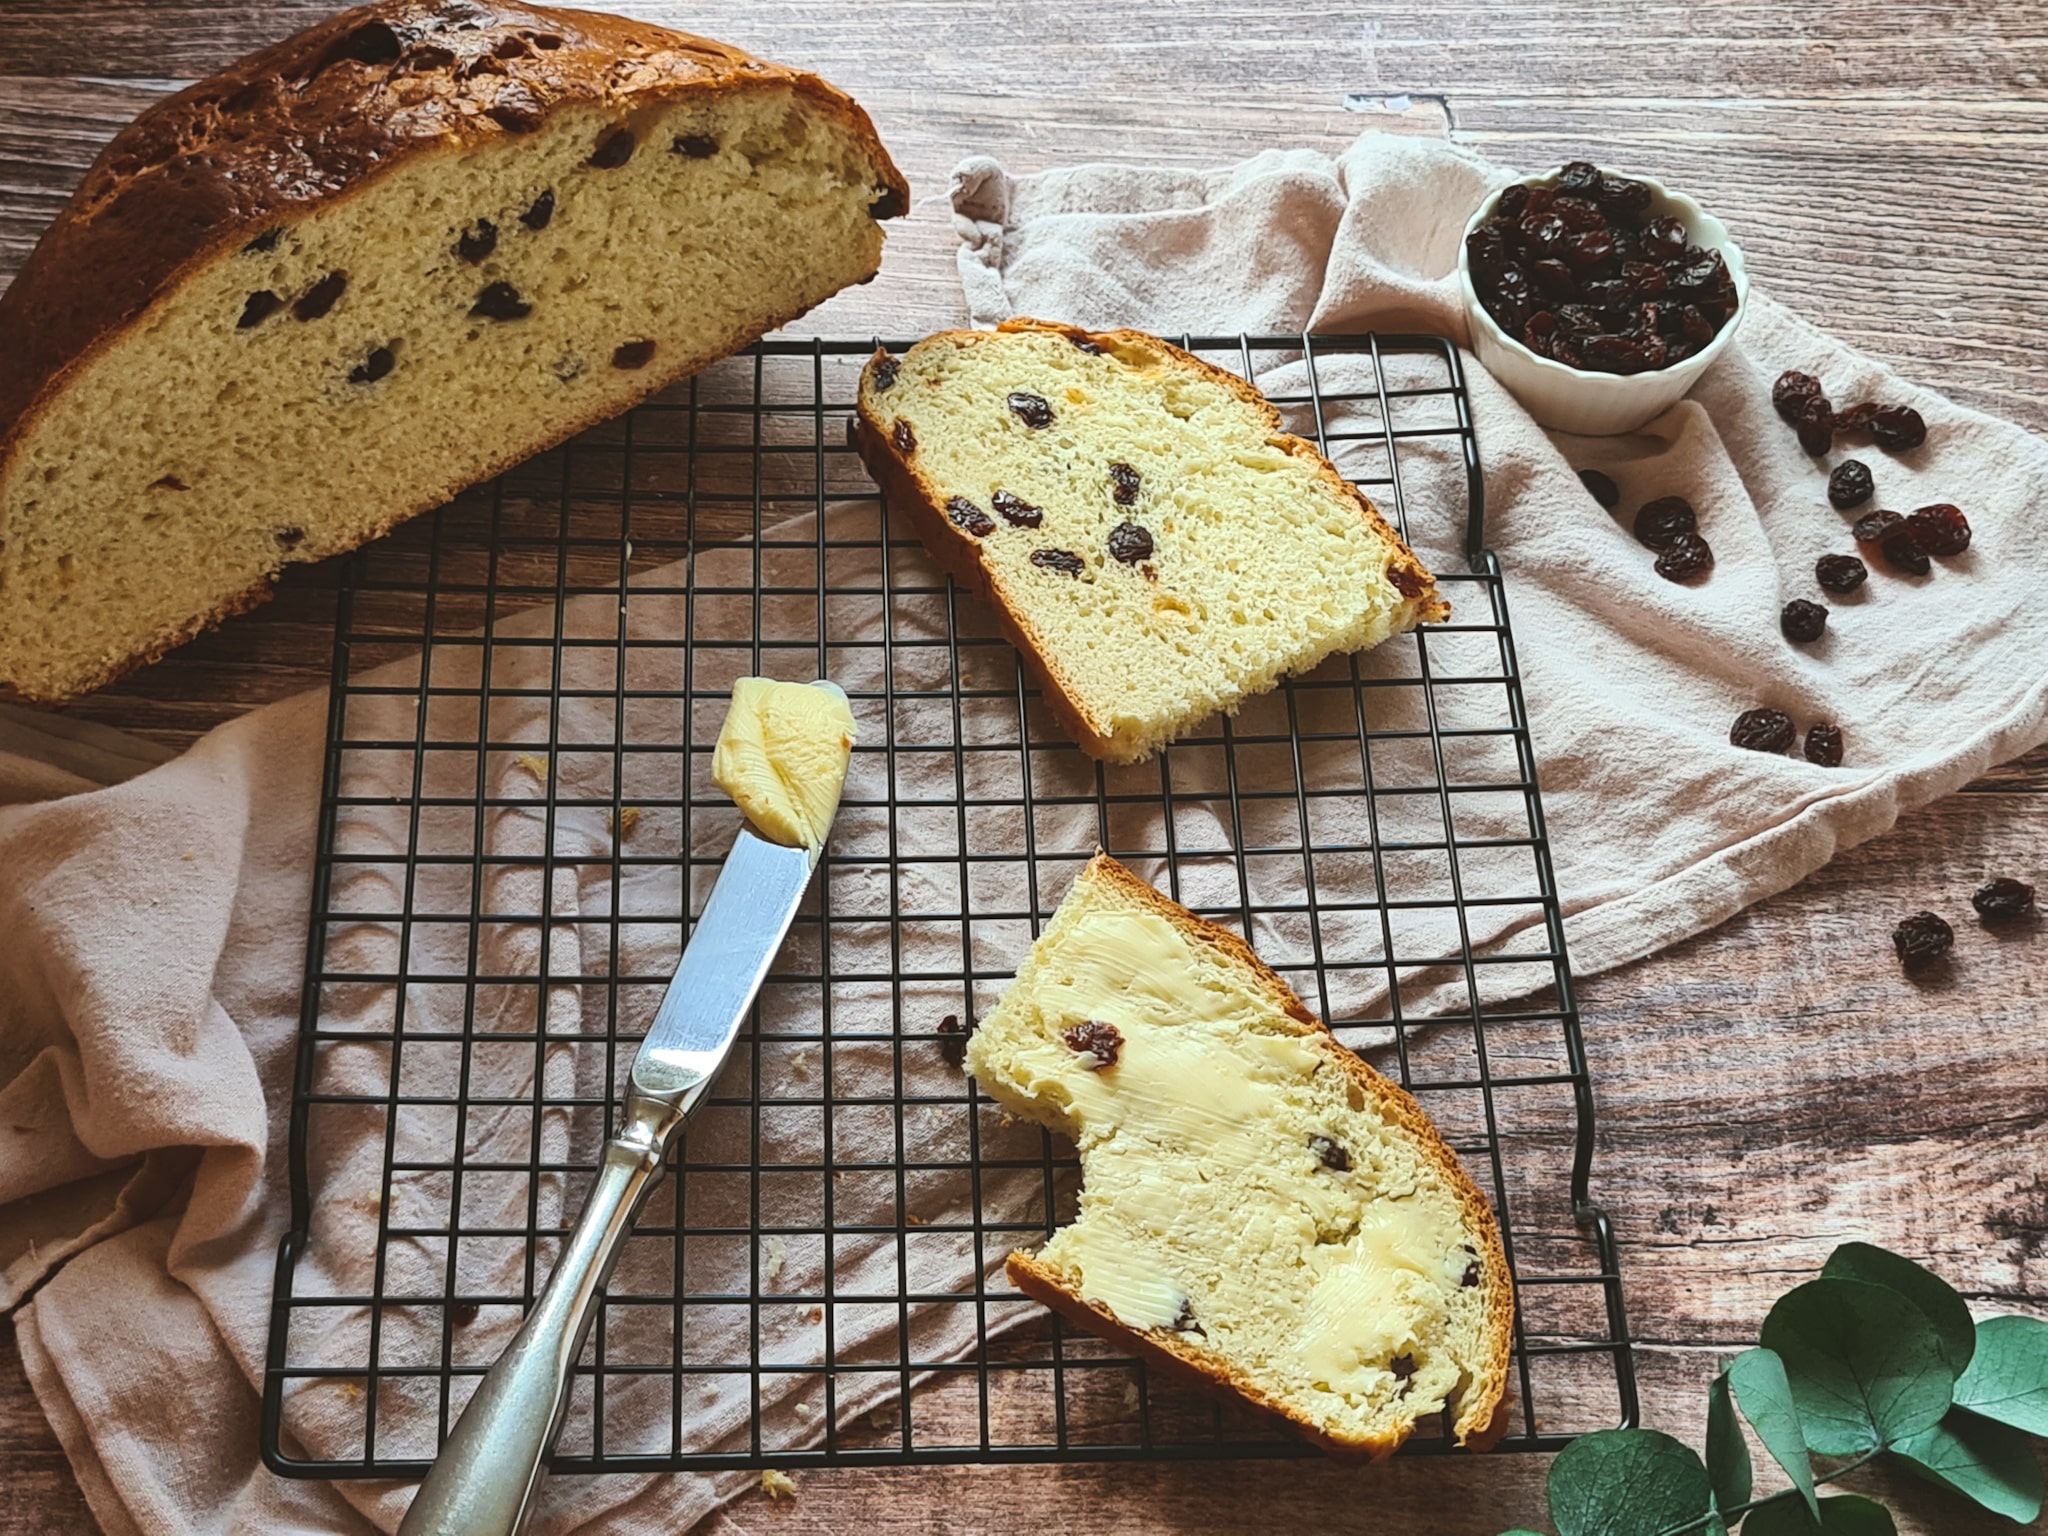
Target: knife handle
{"type": "Point", "coordinates": [490, 1466]}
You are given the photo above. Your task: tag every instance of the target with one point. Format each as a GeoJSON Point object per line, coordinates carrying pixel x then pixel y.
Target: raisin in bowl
{"type": "Point", "coordinates": [1633, 352]}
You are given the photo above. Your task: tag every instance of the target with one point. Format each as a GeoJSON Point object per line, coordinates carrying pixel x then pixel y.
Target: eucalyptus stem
{"type": "Point", "coordinates": [1729, 1515]}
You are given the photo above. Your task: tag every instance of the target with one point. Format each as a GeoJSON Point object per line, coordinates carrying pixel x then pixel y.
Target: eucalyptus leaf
{"type": "Point", "coordinates": [1865, 1365]}
{"type": "Point", "coordinates": [1728, 1467]}
{"type": "Point", "coordinates": [1925, 1289]}
{"type": "Point", "coordinates": [2008, 1377]}
{"type": "Point", "coordinates": [1758, 1376]}
{"type": "Point", "coordinates": [1627, 1482]}
{"type": "Point", "coordinates": [1992, 1463]}
{"type": "Point", "coordinates": [1849, 1515]}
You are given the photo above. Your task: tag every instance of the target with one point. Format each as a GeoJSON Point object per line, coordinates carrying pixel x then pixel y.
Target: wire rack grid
{"type": "Point", "coordinates": [518, 825]}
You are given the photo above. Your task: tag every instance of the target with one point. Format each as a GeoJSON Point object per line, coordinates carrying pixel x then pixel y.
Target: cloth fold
{"type": "Point", "coordinates": [152, 930]}
{"type": "Point", "coordinates": [1659, 827]}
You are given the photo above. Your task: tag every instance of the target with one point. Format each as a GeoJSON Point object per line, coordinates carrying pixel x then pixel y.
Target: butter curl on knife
{"type": "Point", "coordinates": [782, 756]}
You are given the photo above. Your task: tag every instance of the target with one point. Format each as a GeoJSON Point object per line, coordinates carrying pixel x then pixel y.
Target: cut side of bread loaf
{"type": "Point", "coordinates": [372, 265]}
{"type": "Point", "coordinates": [1257, 1205]}
{"type": "Point", "coordinates": [1154, 544]}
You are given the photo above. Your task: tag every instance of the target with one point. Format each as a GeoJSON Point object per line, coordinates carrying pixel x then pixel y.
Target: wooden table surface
{"type": "Point", "coordinates": [1765, 1090]}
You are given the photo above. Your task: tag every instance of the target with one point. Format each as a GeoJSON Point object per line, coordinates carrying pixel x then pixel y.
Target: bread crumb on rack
{"type": "Point", "coordinates": [623, 822]}
{"type": "Point", "coordinates": [535, 764]}
{"type": "Point", "coordinates": [777, 1485]}
{"type": "Point", "coordinates": [778, 1255]}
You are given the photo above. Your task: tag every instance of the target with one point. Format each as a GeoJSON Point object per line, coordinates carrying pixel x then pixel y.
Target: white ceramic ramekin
{"type": "Point", "coordinates": [1601, 404]}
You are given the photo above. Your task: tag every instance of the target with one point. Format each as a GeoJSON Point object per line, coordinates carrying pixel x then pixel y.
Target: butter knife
{"type": "Point", "coordinates": [483, 1483]}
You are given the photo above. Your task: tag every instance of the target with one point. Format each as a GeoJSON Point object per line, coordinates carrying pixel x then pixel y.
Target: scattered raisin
{"type": "Point", "coordinates": [1763, 730]}
{"type": "Point", "coordinates": [952, 1041]}
{"type": "Point", "coordinates": [1403, 1366]}
{"type": "Point", "coordinates": [886, 369]}
{"type": "Point", "coordinates": [290, 536]}
{"type": "Point", "coordinates": [1824, 745]}
{"type": "Point", "coordinates": [696, 146]}
{"type": "Point", "coordinates": [1898, 429]}
{"type": "Point", "coordinates": [1840, 573]}
{"type": "Point", "coordinates": [901, 435]}
{"type": "Point", "coordinates": [2003, 900]}
{"type": "Point", "coordinates": [1471, 1276]}
{"type": "Point", "coordinates": [500, 301]}
{"type": "Point", "coordinates": [1803, 621]}
{"type": "Point", "coordinates": [1184, 1320]}
{"type": "Point", "coordinates": [517, 109]}
{"type": "Point", "coordinates": [963, 513]}
{"type": "Point", "coordinates": [257, 308]}
{"type": "Point", "coordinates": [1875, 527]}
{"type": "Point", "coordinates": [1087, 345]}
{"type": "Point", "coordinates": [1902, 551]}
{"type": "Point", "coordinates": [1660, 523]}
{"type": "Point", "coordinates": [168, 483]}
{"type": "Point", "coordinates": [1856, 421]}
{"type": "Point", "coordinates": [1016, 511]}
{"type": "Point", "coordinates": [1102, 1041]}
{"type": "Point", "coordinates": [1941, 529]}
{"type": "Point", "coordinates": [462, 1313]}
{"type": "Point", "coordinates": [1793, 389]}
{"type": "Point", "coordinates": [613, 150]}
{"type": "Point", "coordinates": [1816, 426]}
{"type": "Point", "coordinates": [265, 242]}
{"type": "Point", "coordinates": [1850, 485]}
{"type": "Point", "coordinates": [1688, 556]}
{"type": "Point", "coordinates": [1603, 489]}
{"type": "Point", "coordinates": [1124, 484]}
{"type": "Point", "coordinates": [1130, 543]}
{"type": "Point", "coordinates": [542, 210]}
{"type": "Point", "coordinates": [630, 355]}
{"type": "Point", "coordinates": [319, 298]}
{"type": "Point", "coordinates": [1330, 1153]}
{"type": "Point", "coordinates": [372, 368]}
{"type": "Point", "coordinates": [477, 243]}
{"type": "Point", "coordinates": [1922, 939]}
{"type": "Point", "coordinates": [1031, 409]}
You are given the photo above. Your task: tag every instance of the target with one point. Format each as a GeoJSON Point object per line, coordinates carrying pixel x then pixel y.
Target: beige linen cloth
{"type": "Point", "coordinates": [152, 930]}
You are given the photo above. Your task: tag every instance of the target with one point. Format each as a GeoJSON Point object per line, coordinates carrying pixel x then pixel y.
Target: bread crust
{"type": "Point", "coordinates": [1481, 1418]}
{"type": "Point", "coordinates": [959, 553]}
{"type": "Point", "coordinates": [315, 119]}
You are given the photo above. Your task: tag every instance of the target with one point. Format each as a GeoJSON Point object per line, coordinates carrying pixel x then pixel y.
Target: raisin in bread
{"type": "Point", "coordinates": [1153, 543]}
{"type": "Point", "coordinates": [1257, 1204]}
{"type": "Point", "coordinates": [371, 265]}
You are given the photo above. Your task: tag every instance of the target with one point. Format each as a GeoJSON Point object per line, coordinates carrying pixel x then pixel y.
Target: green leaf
{"type": "Point", "coordinates": [1758, 1376]}
{"type": "Point", "coordinates": [2008, 1377]}
{"type": "Point", "coordinates": [1728, 1467]}
{"type": "Point", "coordinates": [1626, 1482]}
{"type": "Point", "coordinates": [1991, 1463]}
{"type": "Point", "coordinates": [1865, 1365]}
{"type": "Point", "coordinates": [1926, 1290]}
{"type": "Point", "coordinates": [1849, 1515]}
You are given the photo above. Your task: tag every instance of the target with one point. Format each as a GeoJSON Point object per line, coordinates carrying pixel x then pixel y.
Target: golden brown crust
{"type": "Point", "coordinates": [958, 554]}
{"type": "Point", "coordinates": [318, 117]}
{"type": "Point", "coordinates": [311, 120]}
{"type": "Point", "coordinates": [1485, 1417]}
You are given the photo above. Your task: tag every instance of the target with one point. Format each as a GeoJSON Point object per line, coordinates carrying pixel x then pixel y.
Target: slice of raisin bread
{"type": "Point", "coordinates": [1153, 543]}
{"type": "Point", "coordinates": [1257, 1204]}
{"type": "Point", "coordinates": [371, 265]}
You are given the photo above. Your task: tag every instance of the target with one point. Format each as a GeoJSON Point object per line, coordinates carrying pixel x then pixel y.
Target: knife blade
{"type": "Point", "coordinates": [485, 1479]}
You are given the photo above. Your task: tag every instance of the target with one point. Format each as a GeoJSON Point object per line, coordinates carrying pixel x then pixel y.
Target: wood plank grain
{"type": "Point", "coordinates": [1764, 1090]}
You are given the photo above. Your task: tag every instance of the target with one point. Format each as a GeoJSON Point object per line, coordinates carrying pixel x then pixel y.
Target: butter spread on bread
{"type": "Point", "coordinates": [1257, 1204]}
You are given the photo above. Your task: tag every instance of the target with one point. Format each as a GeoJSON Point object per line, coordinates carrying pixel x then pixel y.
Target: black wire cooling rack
{"type": "Point", "coordinates": [517, 824]}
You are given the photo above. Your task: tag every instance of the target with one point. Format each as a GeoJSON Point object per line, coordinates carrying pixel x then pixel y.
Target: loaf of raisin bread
{"type": "Point", "coordinates": [371, 265]}
{"type": "Point", "coordinates": [1154, 544]}
{"type": "Point", "coordinates": [1257, 1204]}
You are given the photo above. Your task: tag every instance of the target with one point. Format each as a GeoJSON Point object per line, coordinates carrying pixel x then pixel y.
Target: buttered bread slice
{"type": "Point", "coordinates": [1257, 1204]}
{"type": "Point", "coordinates": [1152, 541]}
